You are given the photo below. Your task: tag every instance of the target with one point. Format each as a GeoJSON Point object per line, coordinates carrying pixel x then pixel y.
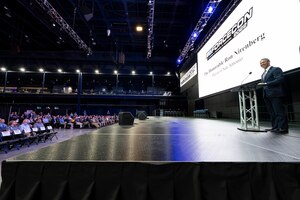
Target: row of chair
{"type": "Point", "coordinates": [17, 138]}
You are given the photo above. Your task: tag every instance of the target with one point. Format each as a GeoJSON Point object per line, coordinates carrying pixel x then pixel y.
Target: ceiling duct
{"type": "Point", "coordinates": [87, 12]}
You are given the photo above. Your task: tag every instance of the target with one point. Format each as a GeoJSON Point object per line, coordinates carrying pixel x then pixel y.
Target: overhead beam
{"type": "Point", "coordinates": [46, 6]}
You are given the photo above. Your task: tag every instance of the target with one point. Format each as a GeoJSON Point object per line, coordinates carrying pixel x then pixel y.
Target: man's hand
{"type": "Point", "coordinates": [262, 84]}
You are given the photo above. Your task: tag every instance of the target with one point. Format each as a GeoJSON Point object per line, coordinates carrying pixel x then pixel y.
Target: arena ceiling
{"type": "Point", "coordinates": [29, 34]}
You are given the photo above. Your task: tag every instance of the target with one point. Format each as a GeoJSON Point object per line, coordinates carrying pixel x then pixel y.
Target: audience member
{"type": "Point", "coordinates": [26, 127]}
{"type": "Point", "coordinates": [3, 126]}
{"type": "Point", "coordinates": [38, 123]}
{"type": "Point", "coordinates": [13, 125]}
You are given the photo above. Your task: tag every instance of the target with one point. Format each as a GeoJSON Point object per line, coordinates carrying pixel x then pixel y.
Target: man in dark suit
{"type": "Point", "coordinates": [273, 94]}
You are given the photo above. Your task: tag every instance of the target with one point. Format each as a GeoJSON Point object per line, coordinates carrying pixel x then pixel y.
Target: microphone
{"type": "Point", "coordinates": [246, 78]}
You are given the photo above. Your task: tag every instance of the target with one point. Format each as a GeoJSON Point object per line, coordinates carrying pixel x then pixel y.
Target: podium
{"type": "Point", "coordinates": [248, 109]}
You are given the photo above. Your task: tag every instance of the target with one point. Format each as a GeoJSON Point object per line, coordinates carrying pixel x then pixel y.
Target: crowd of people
{"type": "Point", "coordinates": [30, 119]}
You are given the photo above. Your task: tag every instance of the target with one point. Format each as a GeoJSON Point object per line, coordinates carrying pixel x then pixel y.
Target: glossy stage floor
{"type": "Point", "coordinates": [166, 139]}
{"type": "Point", "coordinates": [210, 153]}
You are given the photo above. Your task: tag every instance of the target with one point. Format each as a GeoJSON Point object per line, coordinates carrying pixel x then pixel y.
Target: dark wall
{"type": "Point", "coordinates": [227, 102]}
{"type": "Point", "coordinates": [91, 104]}
{"type": "Point", "coordinates": [192, 95]}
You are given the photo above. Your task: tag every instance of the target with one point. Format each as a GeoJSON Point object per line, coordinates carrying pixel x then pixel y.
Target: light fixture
{"type": "Point", "coordinates": [3, 69]}
{"type": "Point", "coordinates": [139, 28]}
{"type": "Point", "coordinates": [22, 69]}
{"type": "Point", "coordinates": [151, 72]}
{"type": "Point", "coordinates": [115, 72]}
{"type": "Point", "coordinates": [97, 71]}
{"type": "Point", "coordinates": [132, 72]}
{"type": "Point", "coordinates": [78, 70]}
{"type": "Point", "coordinates": [59, 70]}
{"type": "Point", "coordinates": [168, 73]}
{"type": "Point", "coordinates": [41, 70]}
{"type": "Point", "coordinates": [210, 9]}
{"type": "Point", "coordinates": [7, 12]}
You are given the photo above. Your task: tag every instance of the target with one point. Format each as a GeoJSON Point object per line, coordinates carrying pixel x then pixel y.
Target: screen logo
{"type": "Point", "coordinates": [237, 28]}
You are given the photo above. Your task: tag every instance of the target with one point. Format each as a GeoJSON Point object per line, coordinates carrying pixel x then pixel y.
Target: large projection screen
{"type": "Point", "coordinates": [255, 29]}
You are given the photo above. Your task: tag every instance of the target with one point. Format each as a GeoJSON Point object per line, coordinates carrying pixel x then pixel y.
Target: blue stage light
{"type": "Point", "coordinates": [189, 46]}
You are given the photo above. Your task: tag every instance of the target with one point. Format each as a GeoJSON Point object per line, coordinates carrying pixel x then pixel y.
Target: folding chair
{"type": "Point", "coordinates": [4, 140]}
{"type": "Point", "coordinates": [20, 138]}
{"type": "Point", "coordinates": [51, 133]}
{"type": "Point", "coordinates": [42, 133]}
{"type": "Point", "coordinates": [34, 137]}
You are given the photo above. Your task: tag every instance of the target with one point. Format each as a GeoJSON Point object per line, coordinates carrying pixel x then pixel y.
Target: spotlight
{"type": "Point", "coordinates": [195, 34]}
{"type": "Point", "coordinates": [3, 69]}
{"type": "Point", "coordinates": [115, 72]}
{"type": "Point", "coordinates": [78, 70]}
{"type": "Point", "coordinates": [59, 70]}
{"type": "Point", "coordinates": [108, 32]}
{"type": "Point", "coordinates": [132, 72]}
{"type": "Point", "coordinates": [178, 61]}
{"type": "Point", "coordinates": [151, 73]}
{"type": "Point", "coordinates": [210, 9]}
{"type": "Point", "coordinates": [97, 71]}
{"type": "Point", "coordinates": [22, 69]}
{"type": "Point", "coordinates": [139, 28]}
{"type": "Point", "coordinates": [41, 70]}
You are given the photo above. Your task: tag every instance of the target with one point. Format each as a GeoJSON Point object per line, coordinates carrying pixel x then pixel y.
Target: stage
{"type": "Point", "coordinates": [160, 158]}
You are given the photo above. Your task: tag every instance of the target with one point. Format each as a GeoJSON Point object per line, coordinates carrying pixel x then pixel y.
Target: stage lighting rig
{"type": "Point", "coordinates": [151, 5]}
{"type": "Point", "coordinates": [46, 6]}
{"type": "Point", "coordinates": [189, 46]}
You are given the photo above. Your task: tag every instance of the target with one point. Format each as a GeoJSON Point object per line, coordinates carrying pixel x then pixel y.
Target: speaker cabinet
{"type": "Point", "coordinates": [142, 116]}
{"type": "Point", "coordinates": [126, 118]}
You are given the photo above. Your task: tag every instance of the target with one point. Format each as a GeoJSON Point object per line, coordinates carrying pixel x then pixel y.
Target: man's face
{"type": "Point", "coordinates": [264, 64]}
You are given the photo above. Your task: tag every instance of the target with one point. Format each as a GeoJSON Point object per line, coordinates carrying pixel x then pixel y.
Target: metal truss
{"type": "Point", "coordinates": [248, 110]}
{"type": "Point", "coordinates": [219, 22]}
{"type": "Point", "coordinates": [189, 46]}
{"type": "Point", "coordinates": [46, 6]}
{"type": "Point", "coordinates": [151, 4]}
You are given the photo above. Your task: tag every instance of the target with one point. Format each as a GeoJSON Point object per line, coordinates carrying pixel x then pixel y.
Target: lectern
{"type": "Point", "coordinates": [248, 109]}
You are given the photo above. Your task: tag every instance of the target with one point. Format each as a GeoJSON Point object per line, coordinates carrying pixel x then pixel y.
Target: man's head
{"type": "Point", "coordinates": [25, 121]}
{"type": "Point", "coordinates": [265, 63]}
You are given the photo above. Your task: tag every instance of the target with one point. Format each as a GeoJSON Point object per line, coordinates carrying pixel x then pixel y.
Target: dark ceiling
{"type": "Point", "coordinates": [27, 34]}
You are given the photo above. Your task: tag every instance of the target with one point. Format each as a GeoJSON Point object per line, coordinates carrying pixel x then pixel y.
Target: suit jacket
{"type": "Point", "coordinates": [275, 83]}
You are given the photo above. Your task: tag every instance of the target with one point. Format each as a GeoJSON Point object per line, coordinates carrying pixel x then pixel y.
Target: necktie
{"type": "Point", "coordinates": [264, 75]}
